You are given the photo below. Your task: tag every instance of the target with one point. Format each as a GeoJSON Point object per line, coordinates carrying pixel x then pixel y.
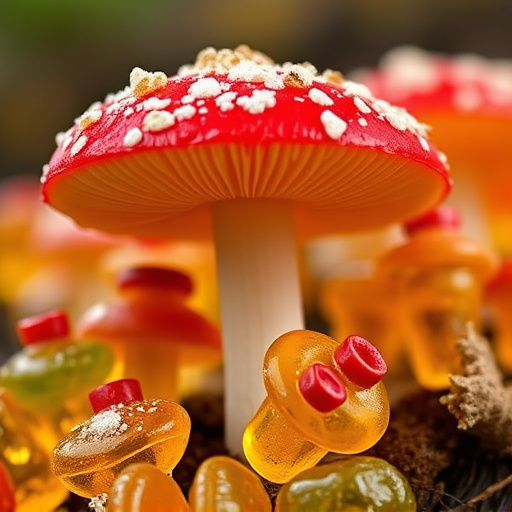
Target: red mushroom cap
{"type": "Point", "coordinates": [236, 125]}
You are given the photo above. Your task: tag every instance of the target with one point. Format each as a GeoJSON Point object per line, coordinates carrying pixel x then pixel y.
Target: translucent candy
{"type": "Point", "coordinates": [292, 430]}
{"type": "Point", "coordinates": [223, 484]}
{"type": "Point", "coordinates": [124, 429]}
{"type": "Point", "coordinates": [52, 374]}
{"type": "Point", "coordinates": [152, 330]}
{"type": "Point", "coordinates": [7, 498]}
{"type": "Point", "coordinates": [142, 487]}
{"type": "Point", "coordinates": [439, 273]}
{"type": "Point", "coordinates": [354, 484]}
{"type": "Point", "coordinates": [27, 461]}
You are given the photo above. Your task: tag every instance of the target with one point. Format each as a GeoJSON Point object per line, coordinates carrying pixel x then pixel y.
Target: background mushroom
{"type": "Point", "coordinates": [248, 150]}
{"type": "Point", "coordinates": [467, 99]}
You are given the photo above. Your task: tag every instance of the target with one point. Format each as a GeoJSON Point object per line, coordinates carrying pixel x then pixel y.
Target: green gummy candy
{"type": "Point", "coordinates": [45, 375]}
{"type": "Point", "coordinates": [353, 484]}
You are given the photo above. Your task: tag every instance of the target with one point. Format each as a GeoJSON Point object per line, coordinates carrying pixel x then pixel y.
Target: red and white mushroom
{"type": "Point", "coordinates": [467, 100]}
{"type": "Point", "coordinates": [253, 154]}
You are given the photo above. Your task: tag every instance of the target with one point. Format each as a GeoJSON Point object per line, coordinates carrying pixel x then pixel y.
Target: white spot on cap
{"type": "Point", "coordinates": [78, 145]}
{"type": "Point", "coordinates": [320, 97]}
{"type": "Point", "coordinates": [158, 120]}
{"type": "Point", "coordinates": [362, 121]}
{"type": "Point", "coordinates": [356, 89]}
{"type": "Point", "coordinates": [144, 82]}
{"type": "Point", "coordinates": [361, 105]}
{"type": "Point", "coordinates": [225, 101]}
{"type": "Point", "coordinates": [132, 137]}
{"type": "Point", "coordinates": [208, 87]}
{"type": "Point", "coordinates": [89, 117]}
{"type": "Point", "coordinates": [258, 101]}
{"type": "Point", "coordinates": [334, 126]}
{"type": "Point", "coordinates": [185, 112]}
{"type": "Point", "coordinates": [424, 143]}
{"type": "Point", "coordinates": [156, 103]}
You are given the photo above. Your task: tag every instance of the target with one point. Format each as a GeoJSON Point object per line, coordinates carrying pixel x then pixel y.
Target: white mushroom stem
{"type": "Point", "coordinates": [259, 296]}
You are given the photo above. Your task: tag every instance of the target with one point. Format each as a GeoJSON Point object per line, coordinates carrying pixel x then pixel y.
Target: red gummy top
{"type": "Point", "coordinates": [45, 327]}
{"type": "Point", "coordinates": [360, 362]}
{"type": "Point", "coordinates": [444, 217]}
{"type": "Point", "coordinates": [113, 393]}
{"type": "Point", "coordinates": [322, 388]}
{"type": "Point", "coordinates": [154, 277]}
{"type": "Point", "coordinates": [7, 497]}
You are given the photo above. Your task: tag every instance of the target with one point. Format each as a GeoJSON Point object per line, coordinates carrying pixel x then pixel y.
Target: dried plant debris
{"type": "Point", "coordinates": [419, 442]}
{"type": "Point", "coordinates": [478, 398]}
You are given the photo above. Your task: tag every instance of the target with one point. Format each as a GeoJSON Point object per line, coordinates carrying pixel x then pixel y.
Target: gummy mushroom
{"type": "Point", "coordinates": [467, 100]}
{"type": "Point", "coordinates": [254, 153]}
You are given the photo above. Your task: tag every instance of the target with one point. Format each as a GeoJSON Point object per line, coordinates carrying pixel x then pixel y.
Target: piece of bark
{"type": "Point", "coordinates": [478, 398]}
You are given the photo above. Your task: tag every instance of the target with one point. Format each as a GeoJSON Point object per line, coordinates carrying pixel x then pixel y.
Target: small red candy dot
{"type": "Point", "coordinates": [117, 392]}
{"type": "Point", "coordinates": [322, 388]}
{"type": "Point", "coordinates": [360, 362]}
{"type": "Point", "coordinates": [47, 326]}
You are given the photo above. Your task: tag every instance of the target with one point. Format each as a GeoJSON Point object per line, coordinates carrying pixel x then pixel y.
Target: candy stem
{"type": "Point", "coordinates": [360, 362]}
{"type": "Point", "coordinates": [322, 388]}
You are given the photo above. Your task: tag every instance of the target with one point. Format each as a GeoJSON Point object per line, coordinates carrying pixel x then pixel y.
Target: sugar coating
{"type": "Point", "coordinates": [132, 137]}
{"type": "Point", "coordinates": [240, 65]}
{"type": "Point", "coordinates": [158, 120]}
{"type": "Point", "coordinates": [320, 97]}
{"type": "Point", "coordinates": [145, 82]}
{"type": "Point", "coordinates": [334, 126]}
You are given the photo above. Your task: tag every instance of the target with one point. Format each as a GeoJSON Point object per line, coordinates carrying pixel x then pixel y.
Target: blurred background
{"type": "Point", "coordinates": [57, 56]}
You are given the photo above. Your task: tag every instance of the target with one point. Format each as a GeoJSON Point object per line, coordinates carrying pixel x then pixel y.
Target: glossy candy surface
{"type": "Point", "coordinates": [142, 487]}
{"type": "Point", "coordinates": [126, 429]}
{"type": "Point", "coordinates": [222, 484]}
{"type": "Point", "coordinates": [354, 484]}
{"type": "Point", "coordinates": [152, 330]}
{"type": "Point", "coordinates": [7, 498]}
{"type": "Point", "coordinates": [52, 374]}
{"type": "Point", "coordinates": [27, 462]}
{"type": "Point", "coordinates": [290, 432]}
{"type": "Point", "coordinates": [439, 274]}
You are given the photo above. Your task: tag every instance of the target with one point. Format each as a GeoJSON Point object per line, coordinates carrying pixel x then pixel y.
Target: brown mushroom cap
{"type": "Point", "coordinates": [151, 159]}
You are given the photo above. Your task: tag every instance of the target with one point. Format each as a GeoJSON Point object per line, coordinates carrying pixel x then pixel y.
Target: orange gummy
{"type": "Point", "coordinates": [222, 483]}
{"type": "Point", "coordinates": [287, 434]}
{"type": "Point", "coordinates": [142, 487]}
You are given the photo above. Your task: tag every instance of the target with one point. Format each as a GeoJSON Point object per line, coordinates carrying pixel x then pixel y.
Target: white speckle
{"type": "Point", "coordinates": [258, 101]}
{"type": "Point", "coordinates": [225, 101]}
{"type": "Point", "coordinates": [89, 117]}
{"type": "Point", "coordinates": [424, 143]}
{"type": "Point", "coordinates": [78, 145]}
{"type": "Point", "coordinates": [158, 120]}
{"type": "Point", "coordinates": [155, 103]}
{"type": "Point", "coordinates": [98, 503]}
{"type": "Point", "coordinates": [396, 120]}
{"type": "Point", "coordinates": [132, 137]}
{"type": "Point", "coordinates": [361, 105]}
{"type": "Point", "coordinates": [144, 82]}
{"type": "Point", "coordinates": [203, 110]}
{"type": "Point", "coordinates": [320, 97]}
{"type": "Point", "coordinates": [128, 112]}
{"type": "Point", "coordinates": [188, 98]}
{"type": "Point", "coordinates": [153, 409]}
{"type": "Point", "coordinates": [247, 71]}
{"type": "Point", "coordinates": [362, 121]}
{"type": "Point", "coordinates": [296, 98]}
{"type": "Point", "coordinates": [140, 409]}
{"type": "Point", "coordinates": [139, 428]}
{"type": "Point", "coordinates": [443, 158]}
{"type": "Point", "coordinates": [208, 87]}
{"type": "Point", "coordinates": [101, 425]}
{"type": "Point", "coordinates": [46, 170]}
{"type": "Point", "coordinates": [200, 103]}
{"type": "Point", "coordinates": [356, 89]}
{"type": "Point", "coordinates": [185, 112]}
{"type": "Point", "coordinates": [334, 126]}
{"type": "Point", "coordinates": [299, 73]}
